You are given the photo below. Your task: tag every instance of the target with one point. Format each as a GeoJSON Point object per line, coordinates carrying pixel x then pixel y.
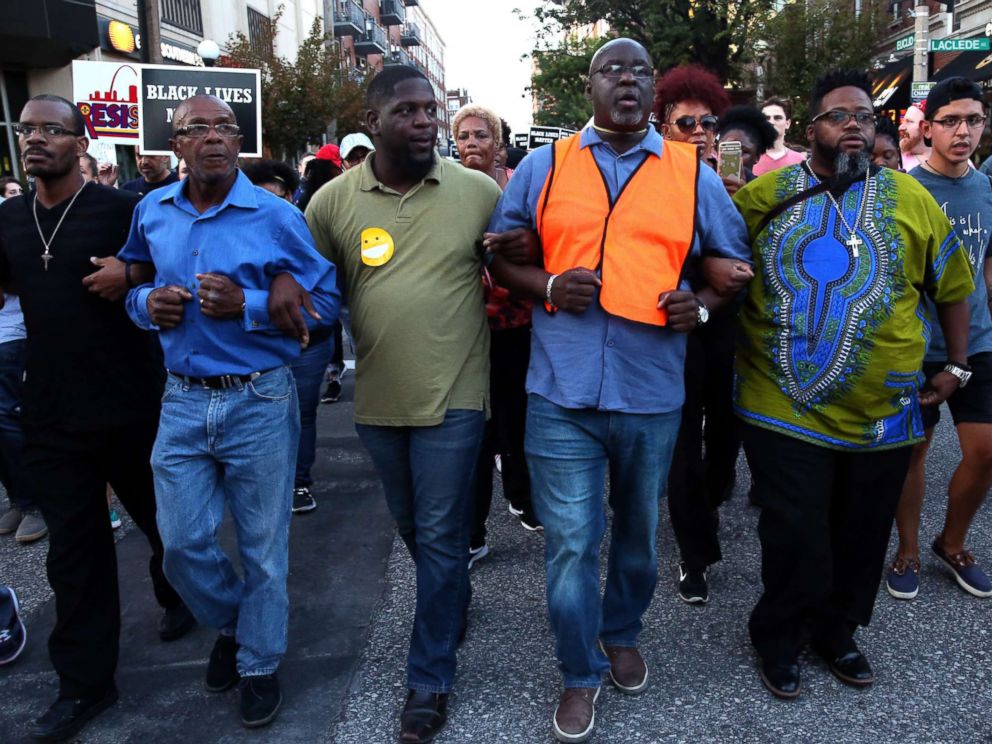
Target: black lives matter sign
{"type": "Point", "coordinates": [164, 87]}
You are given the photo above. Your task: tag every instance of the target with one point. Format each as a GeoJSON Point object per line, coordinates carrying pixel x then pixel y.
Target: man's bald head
{"type": "Point", "coordinates": [611, 46]}
{"type": "Point", "coordinates": [197, 102]}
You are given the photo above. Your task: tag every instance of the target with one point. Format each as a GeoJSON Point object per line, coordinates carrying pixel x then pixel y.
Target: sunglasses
{"type": "Point", "coordinates": [687, 124]}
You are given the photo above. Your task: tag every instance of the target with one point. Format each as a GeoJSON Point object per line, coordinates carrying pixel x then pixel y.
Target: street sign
{"type": "Point", "coordinates": [961, 45]}
{"type": "Point", "coordinates": [906, 42]}
{"type": "Point", "coordinates": [918, 92]}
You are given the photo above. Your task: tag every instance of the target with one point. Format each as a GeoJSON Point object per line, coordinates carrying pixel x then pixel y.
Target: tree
{"type": "Point", "coordinates": [301, 99]}
{"type": "Point", "coordinates": [558, 83]}
{"type": "Point", "coordinates": [805, 39]}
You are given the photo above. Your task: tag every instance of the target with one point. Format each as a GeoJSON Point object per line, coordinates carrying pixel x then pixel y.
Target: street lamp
{"type": "Point", "coordinates": [208, 51]}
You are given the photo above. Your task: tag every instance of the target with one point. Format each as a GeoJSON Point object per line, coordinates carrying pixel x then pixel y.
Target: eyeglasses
{"type": "Point", "coordinates": [839, 118]}
{"type": "Point", "coordinates": [49, 130]}
{"type": "Point", "coordinates": [616, 70]}
{"type": "Point", "coordinates": [953, 122]}
{"type": "Point", "coordinates": [198, 131]}
{"type": "Point", "coordinates": [687, 124]}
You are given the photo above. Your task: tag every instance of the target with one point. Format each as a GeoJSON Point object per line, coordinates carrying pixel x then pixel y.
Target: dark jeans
{"type": "Point", "coordinates": [824, 528]}
{"type": "Point", "coordinates": [308, 371]}
{"type": "Point", "coordinates": [509, 357]}
{"type": "Point", "coordinates": [703, 465]}
{"type": "Point", "coordinates": [67, 474]}
{"type": "Point", "coordinates": [427, 475]}
{"type": "Point", "coordinates": [11, 431]}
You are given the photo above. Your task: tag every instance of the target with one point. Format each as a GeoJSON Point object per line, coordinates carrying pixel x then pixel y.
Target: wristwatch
{"type": "Point", "coordinates": [961, 371]}
{"type": "Point", "coordinates": [703, 314]}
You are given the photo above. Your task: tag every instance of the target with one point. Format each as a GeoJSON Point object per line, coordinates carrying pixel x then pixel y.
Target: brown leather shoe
{"type": "Point", "coordinates": [628, 671]}
{"type": "Point", "coordinates": [575, 715]}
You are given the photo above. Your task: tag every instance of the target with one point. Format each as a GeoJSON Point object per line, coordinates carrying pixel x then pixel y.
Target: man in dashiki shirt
{"type": "Point", "coordinates": [829, 387]}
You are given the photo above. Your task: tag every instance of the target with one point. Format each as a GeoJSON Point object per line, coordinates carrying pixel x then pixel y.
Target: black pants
{"type": "Point", "coordinates": [702, 473]}
{"type": "Point", "coordinates": [67, 474]}
{"type": "Point", "coordinates": [824, 528]}
{"type": "Point", "coordinates": [509, 358]}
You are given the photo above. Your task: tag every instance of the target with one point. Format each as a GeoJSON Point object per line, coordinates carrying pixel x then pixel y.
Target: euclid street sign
{"type": "Point", "coordinates": [960, 45]}
{"type": "Point", "coordinates": [906, 42]}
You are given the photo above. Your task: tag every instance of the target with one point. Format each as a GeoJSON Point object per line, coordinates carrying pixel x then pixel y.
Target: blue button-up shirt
{"type": "Point", "coordinates": [250, 237]}
{"type": "Point", "coordinates": [598, 360]}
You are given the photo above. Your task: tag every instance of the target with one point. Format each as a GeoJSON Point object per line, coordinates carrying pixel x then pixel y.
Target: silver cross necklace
{"type": "Point", "coordinates": [853, 241]}
{"type": "Point", "coordinates": [47, 255]}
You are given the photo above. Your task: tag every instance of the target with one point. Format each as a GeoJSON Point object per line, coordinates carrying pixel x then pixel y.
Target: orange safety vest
{"type": "Point", "coordinates": [638, 243]}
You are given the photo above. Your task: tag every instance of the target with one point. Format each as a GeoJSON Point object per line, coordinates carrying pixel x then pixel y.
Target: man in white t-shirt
{"type": "Point", "coordinates": [779, 112]}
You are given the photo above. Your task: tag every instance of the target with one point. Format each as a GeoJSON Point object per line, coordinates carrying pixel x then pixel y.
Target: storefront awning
{"type": "Point", "coordinates": [975, 66]}
{"type": "Point", "coordinates": [46, 33]}
{"type": "Point", "coordinates": [890, 85]}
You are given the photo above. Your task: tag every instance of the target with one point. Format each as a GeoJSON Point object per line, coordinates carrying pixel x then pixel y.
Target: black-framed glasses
{"type": "Point", "coordinates": [198, 131]}
{"type": "Point", "coordinates": [839, 118]}
{"type": "Point", "coordinates": [688, 124]}
{"type": "Point", "coordinates": [49, 130]}
{"type": "Point", "coordinates": [974, 121]}
{"type": "Point", "coordinates": [616, 70]}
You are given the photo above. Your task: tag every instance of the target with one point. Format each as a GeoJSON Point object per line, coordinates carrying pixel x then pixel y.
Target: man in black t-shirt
{"type": "Point", "coordinates": [155, 173]}
{"type": "Point", "coordinates": [91, 402]}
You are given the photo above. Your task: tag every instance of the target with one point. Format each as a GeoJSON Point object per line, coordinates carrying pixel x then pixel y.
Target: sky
{"type": "Point", "coordinates": [483, 45]}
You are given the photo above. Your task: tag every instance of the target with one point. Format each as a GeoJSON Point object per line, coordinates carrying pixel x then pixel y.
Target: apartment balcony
{"type": "Point", "coordinates": [392, 12]}
{"type": "Point", "coordinates": [349, 18]}
{"type": "Point", "coordinates": [410, 35]}
{"type": "Point", "coordinates": [372, 41]}
{"type": "Point", "coordinates": [397, 57]}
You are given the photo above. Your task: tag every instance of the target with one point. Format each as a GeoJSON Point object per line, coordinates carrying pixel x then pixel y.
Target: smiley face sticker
{"type": "Point", "coordinates": [377, 246]}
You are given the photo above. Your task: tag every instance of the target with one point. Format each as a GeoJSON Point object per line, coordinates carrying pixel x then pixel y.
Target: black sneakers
{"type": "Point", "coordinates": [13, 634]}
{"type": "Point", "coordinates": [692, 586]}
{"type": "Point", "coordinates": [67, 716]}
{"type": "Point", "coordinates": [332, 393]}
{"type": "Point", "coordinates": [260, 700]}
{"type": "Point", "coordinates": [175, 623]}
{"type": "Point", "coordinates": [222, 669]}
{"type": "Point", "coordinates": [303, 500]}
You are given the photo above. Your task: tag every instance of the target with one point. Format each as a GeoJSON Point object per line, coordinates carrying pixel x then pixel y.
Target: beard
{"type": "Point", "coordinates": [851, 166]}
{"type": "Point", "coordinates": [631, 119]}
{"type": "Point", "coordinates": [418, 167]}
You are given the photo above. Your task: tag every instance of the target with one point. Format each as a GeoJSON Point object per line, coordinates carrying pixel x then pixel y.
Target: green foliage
{"type": "Point", "coordinates": [300, 99]}
{"type": "Point", "coordinates": [809, 38]}
{"type": "Point", "coordinates": [559, 83]}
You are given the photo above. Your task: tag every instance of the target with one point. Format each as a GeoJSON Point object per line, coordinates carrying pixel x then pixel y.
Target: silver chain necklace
{"type": "Point", "coordinates": [853, 241]}
{"type": "Point", "coordinates": [47, 255]}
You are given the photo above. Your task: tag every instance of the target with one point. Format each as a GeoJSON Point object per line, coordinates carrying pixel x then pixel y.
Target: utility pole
{"type": "Point", "coordinates": [150, 31]}
{"type": "Point", "coordinates": [921, 47]}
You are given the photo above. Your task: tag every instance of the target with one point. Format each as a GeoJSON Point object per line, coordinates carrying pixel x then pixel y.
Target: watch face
{"type": "Point", "coordinates": [703, 314]}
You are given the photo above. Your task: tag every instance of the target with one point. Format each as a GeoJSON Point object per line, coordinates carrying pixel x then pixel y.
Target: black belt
{"type": "Point", "coordinates": [220, 382]}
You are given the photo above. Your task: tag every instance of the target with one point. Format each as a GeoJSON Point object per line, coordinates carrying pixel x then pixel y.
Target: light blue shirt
{"type": "Point", "coordinates": [250, 237]}
{"type": "Point", "coordinates": [594, 359]}
{"type": "Point", "coordinates": [11, 320]}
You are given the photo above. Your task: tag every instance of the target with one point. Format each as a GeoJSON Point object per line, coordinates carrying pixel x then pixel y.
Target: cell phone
{"type": "Point", "coordinates": [729, 163]}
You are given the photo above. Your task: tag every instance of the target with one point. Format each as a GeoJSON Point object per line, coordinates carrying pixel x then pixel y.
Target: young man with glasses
{"type": "Point", "coordinates": [828, 369]}
{"type": "Point", "coordinates": [91, 401]}
{"type": "Point", "coordinates": [954, 123]}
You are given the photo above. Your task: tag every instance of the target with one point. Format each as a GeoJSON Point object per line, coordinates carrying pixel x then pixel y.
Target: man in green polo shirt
{"type": "Point", "coordinates": [405, 229]}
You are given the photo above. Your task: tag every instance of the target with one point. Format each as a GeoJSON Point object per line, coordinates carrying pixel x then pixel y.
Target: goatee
{"type": "Point", "coordinates": [851, 166]}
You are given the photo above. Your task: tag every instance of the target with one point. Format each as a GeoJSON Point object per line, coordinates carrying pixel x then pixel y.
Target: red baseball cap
{"type": "Point", "coordinates": [330, 152]}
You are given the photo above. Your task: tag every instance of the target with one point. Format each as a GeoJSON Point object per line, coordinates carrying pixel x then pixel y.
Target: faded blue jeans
{"type": "Point", "coordinates": [308, 371]}
{"type": "Point", "coordinates": [428, 477]}
{"type": "Point", "coordinates": [569, 452]}
{"type": "Point", "coordinates": [236, 447]}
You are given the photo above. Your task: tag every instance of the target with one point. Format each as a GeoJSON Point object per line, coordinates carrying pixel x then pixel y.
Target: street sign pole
{"type": "Point", "coordinates": [921, 50]}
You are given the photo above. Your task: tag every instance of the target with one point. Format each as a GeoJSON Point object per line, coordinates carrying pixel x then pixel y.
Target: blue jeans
{"type": "Point", "coordinates": [11, 433]}
{"type": "Point", "coordinates": [308, 371]}
{"type": "Point", "coordinates": [569, 452]}
{"type": "Point", "coordinates": [235, 446]}
{"type": "Point", "coordinates": [427, 476]}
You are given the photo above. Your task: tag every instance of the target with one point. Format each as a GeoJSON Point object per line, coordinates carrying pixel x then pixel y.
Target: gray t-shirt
{"type": "Point", "coordinates": [967, 202]}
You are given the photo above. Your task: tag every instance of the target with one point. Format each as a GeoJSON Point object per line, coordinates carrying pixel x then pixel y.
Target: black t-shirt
{"type": "Point", "coordinates": [141, 187]}
{"type": "Point", "coordinates": [88, 366]}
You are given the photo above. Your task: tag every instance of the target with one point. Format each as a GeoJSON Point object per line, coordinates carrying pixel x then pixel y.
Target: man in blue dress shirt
{"type": "Point", "coordinates": [230, 420]}
{"type": "Point", "coordinates": [605, 384]}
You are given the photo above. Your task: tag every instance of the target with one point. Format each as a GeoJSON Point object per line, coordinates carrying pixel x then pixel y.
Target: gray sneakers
{"type": "Point", "coordinates": [28, 526]}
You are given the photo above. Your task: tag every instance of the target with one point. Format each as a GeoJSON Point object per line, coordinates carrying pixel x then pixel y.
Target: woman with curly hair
{"type": "Point", "coordinates": [688, 103]}
{"type": "Point", "coordinates": [750, 127]}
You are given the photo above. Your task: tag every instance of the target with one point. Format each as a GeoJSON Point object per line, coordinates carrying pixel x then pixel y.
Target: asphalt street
{"type": "Point", "coordinates": [351, 590]}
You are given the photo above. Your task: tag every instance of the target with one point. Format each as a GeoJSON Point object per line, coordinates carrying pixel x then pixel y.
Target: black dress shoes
{"type": "Point", "coordinates": [67, 716]}
{"type": "Point", "coordinates": [852, 668]}
{"type": "Point", "coordinates": [175, 623]}
{"type": "Point", "coordinates": [782, 680]}
{"type": "Point", "coordinates": [423, 717]}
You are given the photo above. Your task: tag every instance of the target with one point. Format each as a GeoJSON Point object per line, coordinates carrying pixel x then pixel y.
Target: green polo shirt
{"type": "Point", "coordinates": [411, 266]}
